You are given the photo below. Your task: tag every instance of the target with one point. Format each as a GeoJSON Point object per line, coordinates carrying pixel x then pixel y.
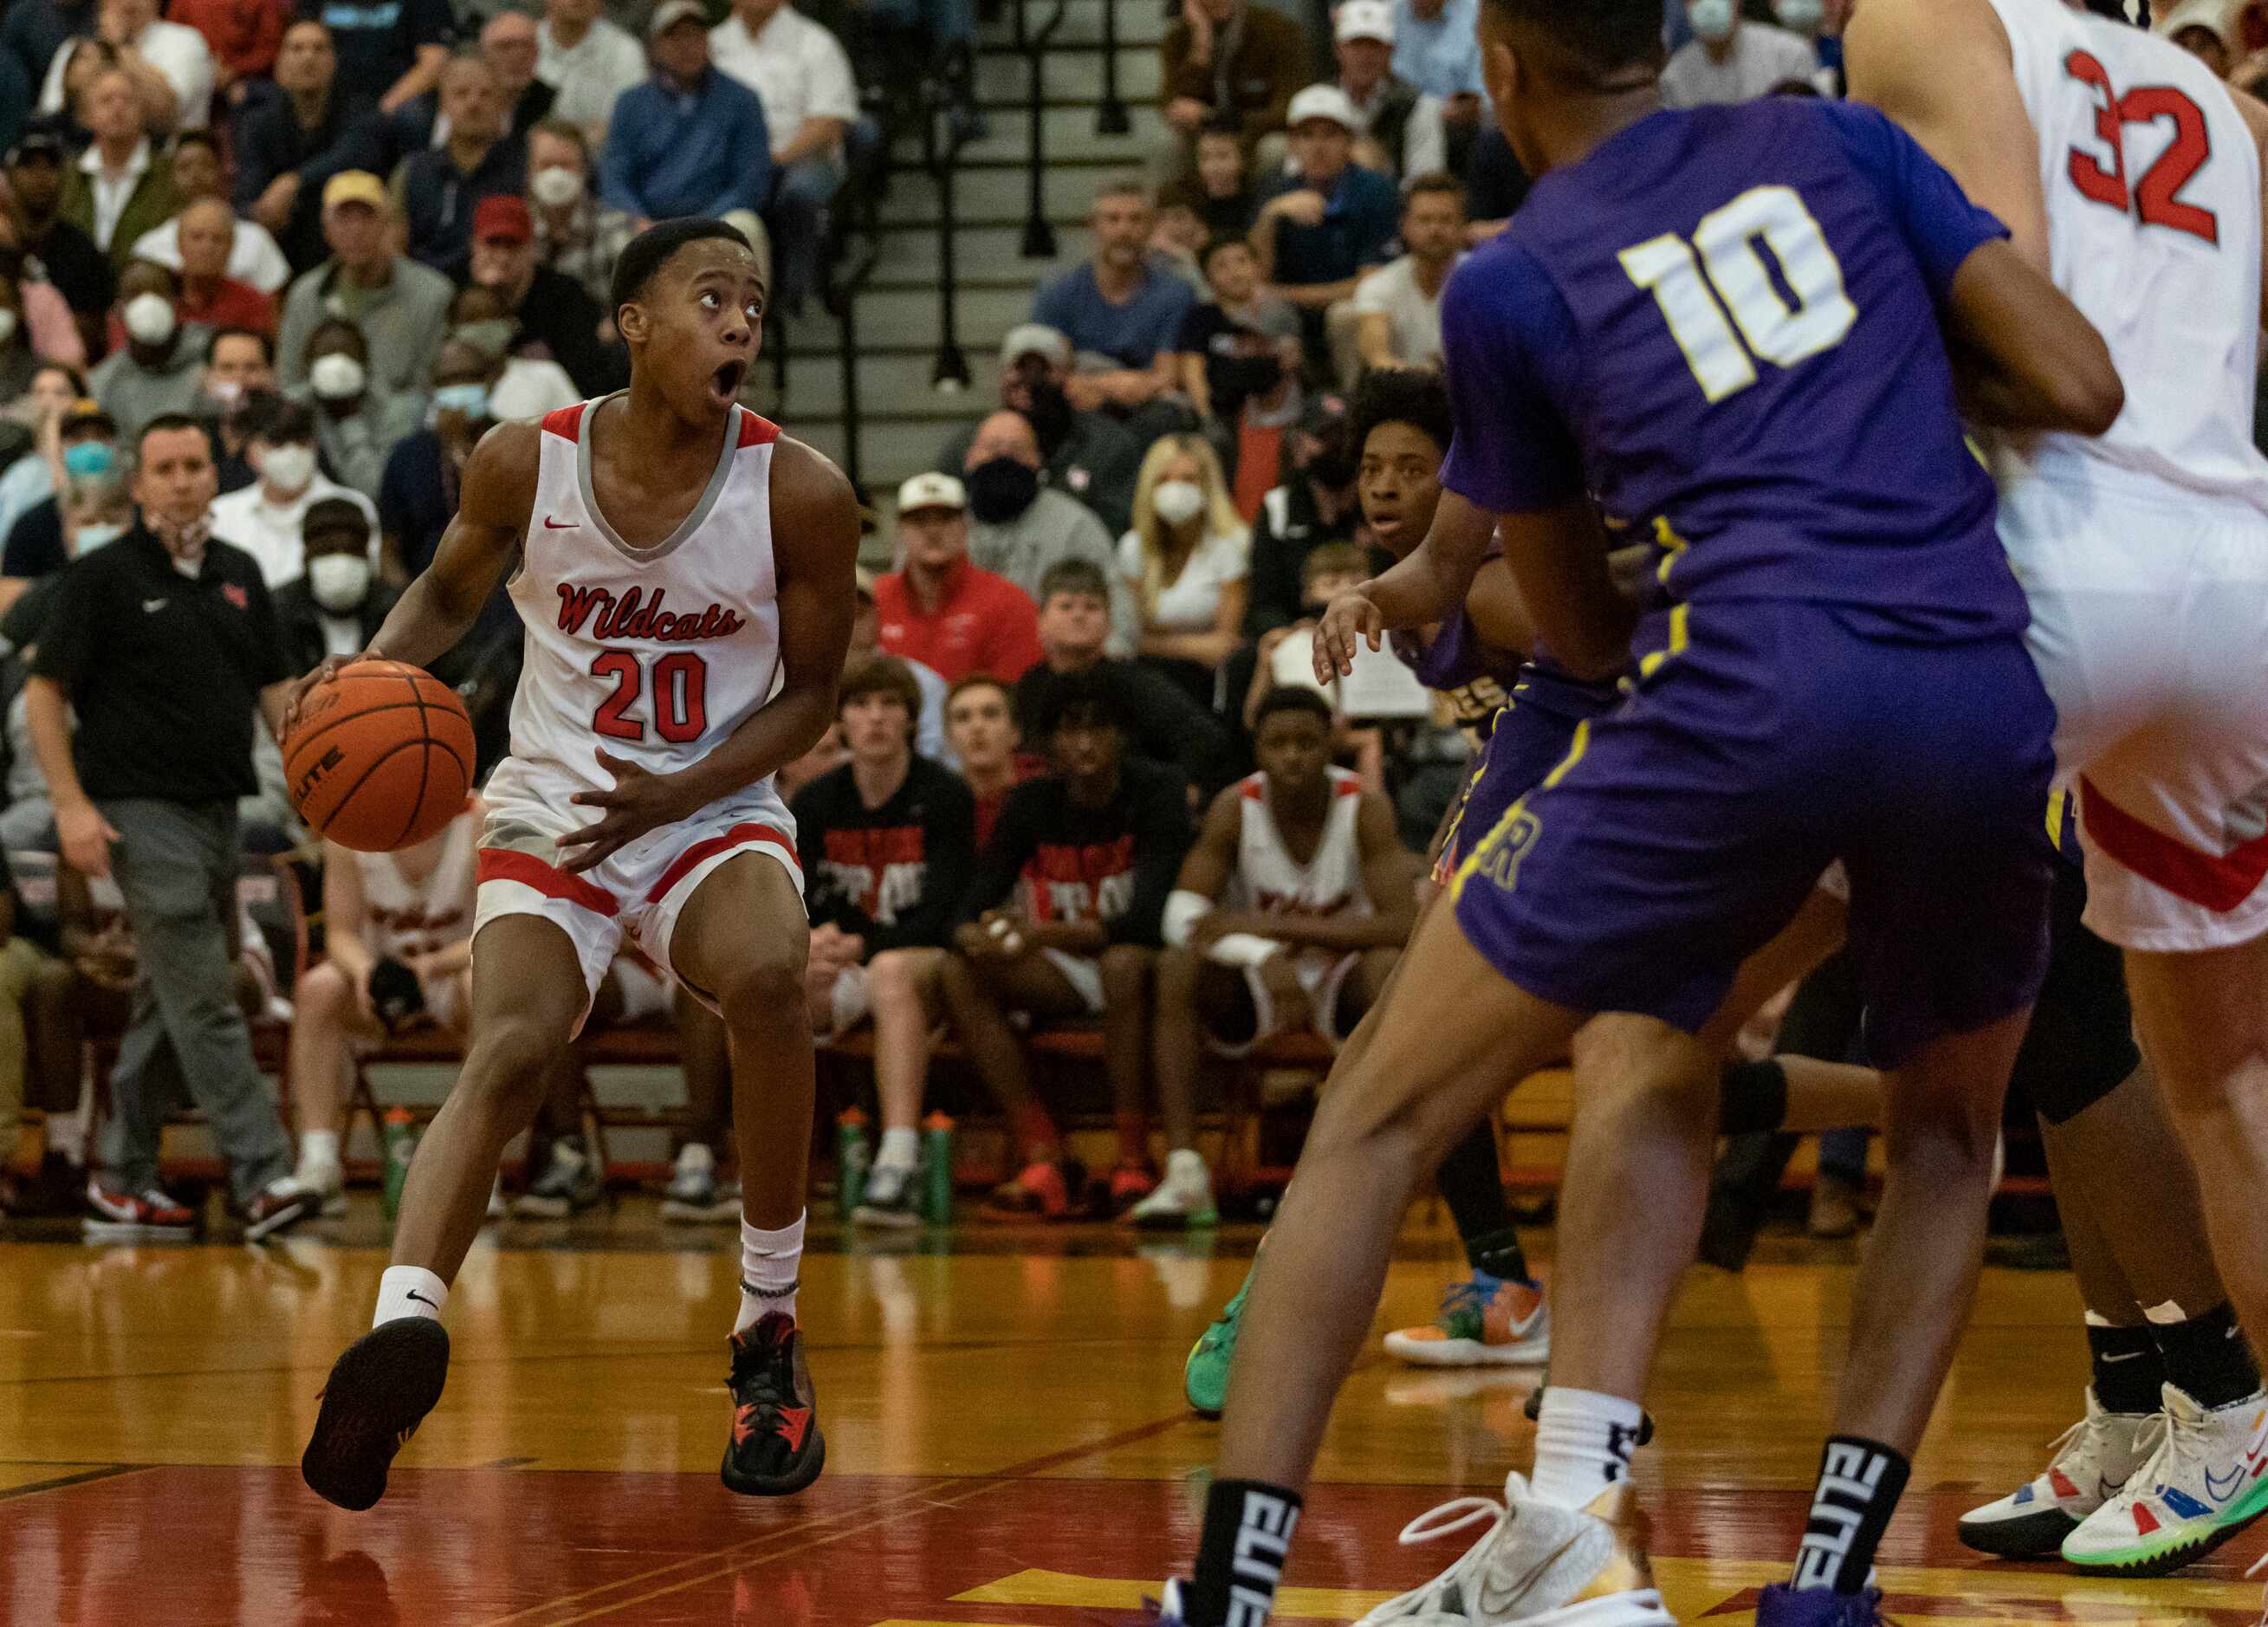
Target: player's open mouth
{"type": "Point", "coordinates": [724, 383]}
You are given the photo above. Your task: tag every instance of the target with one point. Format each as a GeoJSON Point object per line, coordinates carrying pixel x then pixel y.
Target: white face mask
{"type": "Point", "coordinates": [336, 377]}
{"type": "Point", "coordinates": [1178, 502]}
{"type": "Point", "coordinates": [289, 467]}
{"type": "Point", "coordinates": [7, 324]}
{"type": "Point", "coordinates": [86, 539]}
{"type": "Point", "coordinates": [556, 186]}
{"type": "Point", "coordinates": [338, 581]}
{"type": "Point", "coordinates": [1802, 16]}
{"type": "Point", "coordinates": [149, 318]}
{"type": "Point", "coordinates": [1711, 19]}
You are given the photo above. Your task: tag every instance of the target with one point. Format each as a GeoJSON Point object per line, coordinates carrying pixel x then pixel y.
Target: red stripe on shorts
{"type": "Point", "coordinates": [687, 862]}
{"type": "Point", "coordinates": [510, 864]}
{"type": "Point", "coordinates": [2219, 882]}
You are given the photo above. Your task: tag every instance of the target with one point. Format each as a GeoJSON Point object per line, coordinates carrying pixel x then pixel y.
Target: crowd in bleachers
{"type": "Point", "coordinates": [331, 245]}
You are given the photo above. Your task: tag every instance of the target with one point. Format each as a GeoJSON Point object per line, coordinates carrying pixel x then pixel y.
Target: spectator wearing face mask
{"type": "Point", "coordinates": [54, 388]}
{"type": "Point", "coordinates": [1086, 455]}
{"type": "Point", "coordinates": [1186, 560]}
{"type": "Point", "coordinates": [1820, 24]}
{"type": "Point", "coordinates": [268, 519]}
{"type": "Point", "coordinates": [247, 254]}
{"type": "Point", "coordinates": [1235, 346]}
{"type": "Point", "coordinates": [528, 383]}
{"type": "Point", "coordinates": [86, 448]}
{"type": "Point", "coordinates": [1019, 527]}
{"type": "Point", "coordinates": [402, 307]}
{"type": "Point", "coordinates": [548, 314]}
{"type": "Point", "coordinates": [438, 188]}
{"type": "Point", "coordinates": [1317, 505]}
{"type": "Point", "coordinates": [577, 235]}
{"type": "Point", "coordinates": [1730, 59]}
{"type": "Point", "coordinates": [161, 369]}
{"type": "Point", "coordinates": [356, 424]}
{"type": "Point", "coordinates": [120, 187]}
{"type": "Point", "coordinates": [336, 606]}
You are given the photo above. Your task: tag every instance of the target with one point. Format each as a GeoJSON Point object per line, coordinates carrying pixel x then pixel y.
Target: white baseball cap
{"type": "Point", "coordinates": [1365, 19]}
{"type": "Point", "coordinates": [932, 491]}
{"type": "Point", "coordinates": [1035, 339]}
{"type": "Point", "coordinates": [1323, 101]}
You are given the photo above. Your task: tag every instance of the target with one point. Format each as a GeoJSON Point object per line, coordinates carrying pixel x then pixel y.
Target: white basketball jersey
{"type": "Point", "coordinates": [2153, 186]}
{"type": "Point", "coordinates": [1269, 880]}
{"type": "Point", "coordinates": [404, 918]}
{"type": "Point", "coordinates": [655, 654]}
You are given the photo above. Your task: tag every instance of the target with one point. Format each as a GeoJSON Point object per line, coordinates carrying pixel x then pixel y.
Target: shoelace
{"type": "Point", "coordinates": [2178, 1449]}
{"type": "Point", "coordinates": [1445, 1519]}
{"type": "Point", "coordinates": [2147, 1440]}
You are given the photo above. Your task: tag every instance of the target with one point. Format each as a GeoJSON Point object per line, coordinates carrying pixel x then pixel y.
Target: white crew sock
{"type": "Point", "coordinates": [1583, 1444]}
{"type": "Point", "coordinates": [409, 1291]}
{"type": "Point", "coordinates": [1186, 1171]}
{"type": "Point", "coordinates": [770, 1263]}
{"type": "Point", "coordinates": [319, 1149]}
{"type": "Point", "coordinates": [900, 1148]}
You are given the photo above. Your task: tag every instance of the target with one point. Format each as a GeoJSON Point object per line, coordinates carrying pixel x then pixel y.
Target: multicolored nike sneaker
{"type": "Point", "coordinates": [1484, 1321]}
{"type": "Point", "coordinates": [1204, 1376]}
{"type": "Point", "coordinates": [2086, 1465]}
{"type": "Point", "coordinates": [2206, 1481]}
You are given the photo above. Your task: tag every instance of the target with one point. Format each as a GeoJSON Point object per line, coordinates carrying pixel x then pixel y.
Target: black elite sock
{"type": "Point", "coordinates": [1753, 1097]}
{"type": "Point", "coordinates": [1248, 1530]}
{"type": "Point", "coordinates": [1860, 1482]}
{"type": "Point", "coordinates": [2127, 1370]}
{"type": "Point", "coordinates": [2208, 1357]}
{"type": "Point", "coordinates": [1472, 1185]}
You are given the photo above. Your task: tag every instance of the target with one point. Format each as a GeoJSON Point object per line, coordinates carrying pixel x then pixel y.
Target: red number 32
{"type": "Point", "coordinates": [681, 696]}
{"type": "Point", "coordinates": [2156, 198]}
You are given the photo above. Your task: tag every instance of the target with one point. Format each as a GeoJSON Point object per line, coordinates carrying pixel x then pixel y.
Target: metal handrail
{"type": "Point", "coordinates": [941, 158]}
{"type": "Point", "coordinates": [1039, 232]}
{"type": "Point", "coordinates": [1111, 117]}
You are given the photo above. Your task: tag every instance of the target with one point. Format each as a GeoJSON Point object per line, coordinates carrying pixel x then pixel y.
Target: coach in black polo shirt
{"type": "Point", "coordinates": [166, 643]}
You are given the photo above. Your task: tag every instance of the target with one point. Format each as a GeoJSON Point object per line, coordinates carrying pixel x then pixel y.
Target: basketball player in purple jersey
{"type": "Point", "coordinates": [1721, 326]}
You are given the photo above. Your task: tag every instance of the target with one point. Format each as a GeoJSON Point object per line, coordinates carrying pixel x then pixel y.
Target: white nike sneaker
{"type": "Point", "coordinates": [1538, 1564]}
{"type": "Point", "coordinates": [1183, 1201]}
{"type": "Point", "coordinates": [2086, 1465]}
{"type": "Point", "coordinates": [2207, 1481]}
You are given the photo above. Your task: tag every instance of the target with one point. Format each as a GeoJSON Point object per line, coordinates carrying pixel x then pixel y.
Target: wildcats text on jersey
{"type": "Point", "coordinates": [633, 616]}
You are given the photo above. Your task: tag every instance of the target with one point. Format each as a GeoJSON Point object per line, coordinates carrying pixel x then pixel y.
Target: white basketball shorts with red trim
{"type": "Point", "coordinates": [2150, 629]}
{"type": "Point", "coordinates": [637, 892]}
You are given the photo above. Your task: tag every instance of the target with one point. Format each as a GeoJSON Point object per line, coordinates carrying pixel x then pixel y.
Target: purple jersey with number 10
{"type": "Point", "coordinates": [1722, 324]}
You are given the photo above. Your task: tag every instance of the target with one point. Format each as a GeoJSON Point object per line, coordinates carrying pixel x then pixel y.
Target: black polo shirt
{"type": "Point", "coordinates": [166, 671]}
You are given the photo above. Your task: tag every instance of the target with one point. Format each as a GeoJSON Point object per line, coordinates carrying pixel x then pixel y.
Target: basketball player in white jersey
{"type": "Point", "coordinates": [685, 572]}
{"type": "Point", "coordinates": [1289, 912]}
{"type": "Point", "coordinates": [2133, 178]}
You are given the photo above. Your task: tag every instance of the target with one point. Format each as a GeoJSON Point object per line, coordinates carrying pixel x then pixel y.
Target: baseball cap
{"type": "Point", "coordinates": [355, 186]}
{"type": "Point", "coordinates": [1035, 339]}
{"type": "Point", "coordinates": [1321, 101]}
{"type": "Point", "coordinates": [88, 414]}
{"type": "Point", "coordinates": [932, 491]}
{"type": "Point", "coordinates": [503, 217]}
{"type": "Point", "coordinates": [1365, 19]}
{"type": "Point", "coordinates": [42, 138]}
{"type": "Point", "coordinates": [669, 13]}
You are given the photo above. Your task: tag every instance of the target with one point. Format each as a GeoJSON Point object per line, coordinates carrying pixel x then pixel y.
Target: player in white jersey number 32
{"type": "Point", "coordinates": [684, 572]}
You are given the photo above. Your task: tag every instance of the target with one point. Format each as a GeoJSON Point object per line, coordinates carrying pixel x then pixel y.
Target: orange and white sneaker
{"type": "Point", "coordinates": [1484, 1321]}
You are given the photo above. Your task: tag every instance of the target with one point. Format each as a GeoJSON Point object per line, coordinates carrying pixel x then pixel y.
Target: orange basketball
{"type": "Point", "coordinates": [380, 758]}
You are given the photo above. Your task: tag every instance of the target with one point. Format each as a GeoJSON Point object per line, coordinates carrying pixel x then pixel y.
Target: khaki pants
{"type": "Point", "coordinates": [23, 968]}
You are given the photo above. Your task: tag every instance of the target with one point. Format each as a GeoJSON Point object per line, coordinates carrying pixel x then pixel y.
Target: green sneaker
{"type": "Point", "coordinates": [2206, 1481]}
{"type": "Point", "coordinates": [1204, 1376]}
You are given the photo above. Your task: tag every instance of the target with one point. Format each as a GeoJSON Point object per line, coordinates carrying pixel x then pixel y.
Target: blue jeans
{"type": "Point", "coordinates": [796, 219]}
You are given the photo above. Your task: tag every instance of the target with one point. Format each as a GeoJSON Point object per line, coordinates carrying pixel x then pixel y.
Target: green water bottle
{"type": "Point", "coordinates": [400, 1135]}
{"type": "Point", "coordinates": [853, 1155]}
{"type": "Point", "coordinates": [937, 1169]}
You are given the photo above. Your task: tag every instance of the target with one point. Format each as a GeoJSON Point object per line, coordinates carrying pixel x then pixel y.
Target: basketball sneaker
{"type": "Point", "coordinates": [776, 1448]}
{"type": "Point", "coordinates": [2086, 1465]}
{"type": "Point", "coordinates": [693, 1196]}
{"type": "Point", "coordinates": [328, 1182]}
{"type": "Point", "coordinates": [1536, 1561]}
{"type": "Point", "coordinates": [1041, 1188]}
{"type": "Point", "coordinates": [1205, 1376]}
{"type": "Point", "coordinates": [1183, 1201]}
{"type": "Point", "coordinates": [1130, 1184]}
{"type": "Point", "coordinates": [569, 1184]}
{"type": "Point", "coordinates": [1484, 1321]}
{"type": "Point", "coordinates": [151, 1214]}
{"type": "Point", "coordinates": [379, 1391]}
{"type": "Point", "coordinates": [1782, 1606]}
{"type": "Point", "coordinates": [2207, 1481]}
{"type": "Point", "coordinates": [280, 1205]}
{"type": "Point", "coordinates": [892, 1197]}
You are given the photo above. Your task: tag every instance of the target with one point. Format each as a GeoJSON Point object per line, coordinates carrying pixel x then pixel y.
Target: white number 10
{"type": "Point", "coordinates": [1729, 263]}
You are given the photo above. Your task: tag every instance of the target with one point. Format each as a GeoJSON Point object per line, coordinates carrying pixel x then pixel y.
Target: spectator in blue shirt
{"type": "Point", "coordinates": [1437, 49]}
{"type": "Point", "coordinates": [1325, 221]}
{"type": "Point", "coordinates": [690, 140]}
{"type": "Point", "coordinates": [389, 53]}
{"type": "Point", "coordinates": [1121, 310]}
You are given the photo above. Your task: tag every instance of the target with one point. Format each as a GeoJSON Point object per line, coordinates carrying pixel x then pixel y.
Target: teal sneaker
{"type": "Point", "coordinates": [1204, 1376]}
{"type": "Point", "coordinates": [2207, 1481]}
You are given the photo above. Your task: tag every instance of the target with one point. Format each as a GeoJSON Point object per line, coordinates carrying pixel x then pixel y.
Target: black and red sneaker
{"type": "Point", "coordinates": [776, 1448]}
{"type": "Point", "coordinates": [379, 1390]}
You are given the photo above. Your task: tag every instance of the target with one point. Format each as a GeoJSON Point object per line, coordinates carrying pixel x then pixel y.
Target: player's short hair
{"type": "Point", "coordinates": [1597, 40]}
{"type": "Point", "coordinates": [1416, 396]}
{"type": "Point", "coordinates": [655, 247]}
{"type": "Point", "coordinates": [196, 138]}
{"type": "Point", "coordinates": [266, 343]}
{"type": "Point", "coordinates": [978, 680]}
{"type": "Point", "coordinates": [1092, 698]}
{"type": "Point", "coordinates": [880, 674]}
{"type": "Point", "coordinates": [1333, 559]}
{"type": "Point", "coordinates": [1292, 698]}
{"type": "Point", "coordinates": [166, 423]}
{"type": "Point", "coordinates": [1433, 183]}
{"type": "Point", "coordinates": [281, 419]}
{"type": "Point", "coordinates": [1075, 575]}
{"type": "Point", "coordinates": [1124, 187]}
{"type": "Point", "coordinates": [1215, 244]}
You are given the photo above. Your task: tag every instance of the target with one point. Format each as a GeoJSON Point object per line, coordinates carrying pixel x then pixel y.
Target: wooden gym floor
{"type": "Point", "coordinates": [1008, 1444]}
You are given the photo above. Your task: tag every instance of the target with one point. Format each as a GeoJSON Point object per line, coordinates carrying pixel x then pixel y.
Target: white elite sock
{"type": "Point", "coordinates": [409, 1291]}
{"type": "Point", "coordinates": [901, 1148]}
{"type": "Point", "coordinates": [1583, 1444]}
{"type": "Point", "coordinates": [770, 1263]}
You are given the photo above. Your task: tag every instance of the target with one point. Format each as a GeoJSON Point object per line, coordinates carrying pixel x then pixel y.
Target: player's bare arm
{"type": "Point", "coordinates": [1499, 613]}
{"type": "Point", "coordinates": [1417, 592]}
{"type": "Point", "coordinates": [1559, 557]}
{"type": "Point", "coordinates": [816, 553]}
{"type": "Point", "coordinates": [1942, 69]}
{"type": "Point", "coordinates": [496, 499]}
{"type": "Point", "coordinates": [2025, 356]}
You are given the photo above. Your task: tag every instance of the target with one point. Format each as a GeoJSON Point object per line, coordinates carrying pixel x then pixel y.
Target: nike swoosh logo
{"type": "Point", "coordinates": [152, 606]}
{"type": "Point", "coordinates": [2213, 1484]}
{"type": "Point", "coordinates": [1493, 1604]}
{"type": "Point", "coordinates": [550, 524]}
{"type": "Point", "coordinates": [2129, 1356]}
{"type": "Point", "coordinates": [420, 1298]}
